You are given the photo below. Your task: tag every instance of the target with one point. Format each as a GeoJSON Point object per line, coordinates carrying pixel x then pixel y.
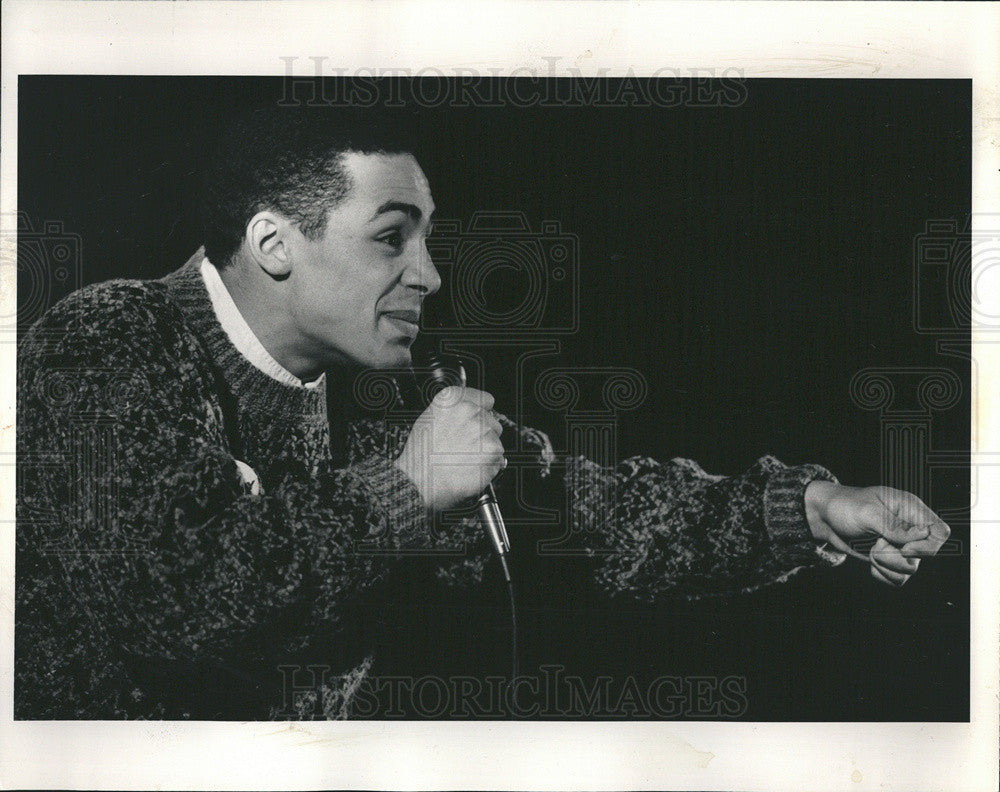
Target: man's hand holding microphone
{"type": "Point", "coordinates": [454, 449]}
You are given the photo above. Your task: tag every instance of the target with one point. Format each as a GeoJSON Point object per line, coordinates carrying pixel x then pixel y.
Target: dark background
{"type": "Point", "coordinates": [748, 260]}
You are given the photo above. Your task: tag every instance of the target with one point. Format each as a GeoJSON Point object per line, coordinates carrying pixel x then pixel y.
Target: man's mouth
{"type": "Point", "coordinates": [405, 321]}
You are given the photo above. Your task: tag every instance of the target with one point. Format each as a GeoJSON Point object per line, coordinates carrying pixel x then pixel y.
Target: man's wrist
{"type": "Point", "coordinates": [401, 465]}
{"type": "Point", "coordinates": [817, 495]}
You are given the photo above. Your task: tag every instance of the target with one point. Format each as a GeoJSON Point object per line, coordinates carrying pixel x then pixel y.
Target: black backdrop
{"type": "Point", "coordinates": [748, 260]}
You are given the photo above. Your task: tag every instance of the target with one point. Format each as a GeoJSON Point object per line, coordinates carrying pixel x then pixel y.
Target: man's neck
{"type": "Point", "coordinates": [268, 319]}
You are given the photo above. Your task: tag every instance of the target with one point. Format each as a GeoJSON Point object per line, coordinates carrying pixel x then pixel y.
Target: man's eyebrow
{"type": "Point", "coordinates": [412, 210]}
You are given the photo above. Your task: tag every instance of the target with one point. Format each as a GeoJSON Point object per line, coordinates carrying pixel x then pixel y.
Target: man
{"type": "Point", "coordinates": [187, 525]}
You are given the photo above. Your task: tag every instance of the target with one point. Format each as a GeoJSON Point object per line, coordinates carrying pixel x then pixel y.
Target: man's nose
{"type": "Point", "coordinates": [421, 273]}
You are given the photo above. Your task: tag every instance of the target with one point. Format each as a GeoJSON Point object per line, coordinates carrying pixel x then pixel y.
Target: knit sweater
{"type": "Point", "coordinates": [156, 579]}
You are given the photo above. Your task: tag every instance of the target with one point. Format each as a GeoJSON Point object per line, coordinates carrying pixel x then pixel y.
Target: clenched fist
{"type": "Point", "coordinates": [454, 450]}
{"type": "Point", "coordinates": [904, 528]}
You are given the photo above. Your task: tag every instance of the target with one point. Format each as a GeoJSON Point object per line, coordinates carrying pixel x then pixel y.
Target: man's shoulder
{"type": "Point", "coordinates": [110, 300]}
{"type": "Point", "coordinates": [120, 312]}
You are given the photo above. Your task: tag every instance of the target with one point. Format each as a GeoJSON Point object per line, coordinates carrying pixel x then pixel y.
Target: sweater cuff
{"type": "Point", "coordinates": [397, 497]}
{"type": "Point", "coordinates": [785, 516]}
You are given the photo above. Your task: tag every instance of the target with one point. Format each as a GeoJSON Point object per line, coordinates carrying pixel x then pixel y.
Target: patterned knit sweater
{"type": "Point", "coordinates": [149, 571]}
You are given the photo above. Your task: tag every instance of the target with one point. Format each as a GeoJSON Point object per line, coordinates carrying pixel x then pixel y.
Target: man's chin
{"type": "Point", "coordinates": [387, 357]}
{"type": "Point", "coordinates": [396, 357]}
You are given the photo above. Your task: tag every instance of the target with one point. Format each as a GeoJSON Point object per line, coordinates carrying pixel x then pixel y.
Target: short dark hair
{"type": "Point", "coordinates": [289, 159]}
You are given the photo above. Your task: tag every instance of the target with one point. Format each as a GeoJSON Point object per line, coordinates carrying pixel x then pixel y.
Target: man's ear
{"type": "Point", "coordinates": [266, 238]}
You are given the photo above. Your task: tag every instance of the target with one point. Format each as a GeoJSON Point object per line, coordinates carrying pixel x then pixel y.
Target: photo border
{"type": "Point", "coordinates": [761, 39]}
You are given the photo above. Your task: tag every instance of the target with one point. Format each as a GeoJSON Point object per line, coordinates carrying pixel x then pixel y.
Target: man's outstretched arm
{"type": "Point", "coordinates": [671, 529]}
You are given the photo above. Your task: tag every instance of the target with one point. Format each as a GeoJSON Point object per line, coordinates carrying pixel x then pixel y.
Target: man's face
{"type": "Point", "coordinates": [357, 291]}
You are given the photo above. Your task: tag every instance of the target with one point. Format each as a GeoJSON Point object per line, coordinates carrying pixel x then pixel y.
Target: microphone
{"type": "Point", "coordinates": [446, 373]}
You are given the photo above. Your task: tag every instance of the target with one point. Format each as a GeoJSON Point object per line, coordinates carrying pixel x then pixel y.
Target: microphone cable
{"type": "Point", "coordinates": [513, 617]}
{"type": "Point", "coordinates": [445, 370]}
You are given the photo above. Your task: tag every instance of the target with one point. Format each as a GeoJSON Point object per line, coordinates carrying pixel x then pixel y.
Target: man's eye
{"type": "Point", "coordinates": [393, 239]}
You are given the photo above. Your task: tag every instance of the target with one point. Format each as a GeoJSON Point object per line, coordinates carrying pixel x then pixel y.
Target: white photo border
{"type": "Point", "coordinates": [760, 39]}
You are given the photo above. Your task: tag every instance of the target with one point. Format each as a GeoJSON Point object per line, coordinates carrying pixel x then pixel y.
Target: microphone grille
{"type": "Point", "coordinates": [442, 371]}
